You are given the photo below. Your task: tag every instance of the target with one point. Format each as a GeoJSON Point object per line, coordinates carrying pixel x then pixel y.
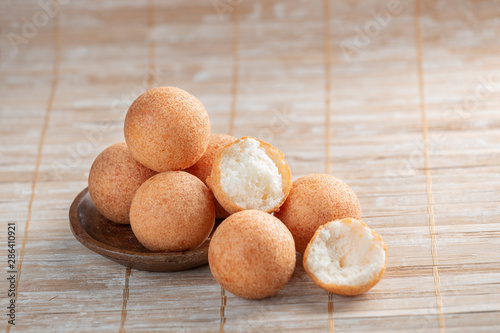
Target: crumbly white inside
{"type": "Point", "coordinates": [345, 254]}
{"type": "Point", "coordinates": [249, 177]}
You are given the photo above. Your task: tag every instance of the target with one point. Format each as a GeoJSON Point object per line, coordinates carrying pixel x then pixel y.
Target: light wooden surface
{"type": "Point", "coordinates": [409, 117]}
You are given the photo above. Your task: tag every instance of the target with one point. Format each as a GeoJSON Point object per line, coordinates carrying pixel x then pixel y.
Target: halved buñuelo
{"type": "Point", "coordinates": [250, 174]}
{"type": "Point", "coordinates": [203, 167]}
{"type": "Point", "coordinates": [345, 257]}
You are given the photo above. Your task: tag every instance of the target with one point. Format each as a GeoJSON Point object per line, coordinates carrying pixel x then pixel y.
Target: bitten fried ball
{"type": "Point", "coordinates": [203, 167]}
{"type": "Point", "coordinates": [250, 174]}
{"type": "Point", "coordinates": [166, 128]}
{"type": "Point", "coordinates": [313, 201]}
{"type": "Point", "coordinates": [252, 254]}
{"type": "Point", "coordinates": [173, 212]}
{"type": "Point", "coordinates": [345, 257]}
{"type": "Point", "coordinates": [114, 178]}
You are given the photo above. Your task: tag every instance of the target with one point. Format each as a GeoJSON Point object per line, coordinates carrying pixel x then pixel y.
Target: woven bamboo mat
{"type": "Point", "coordinates": [400, 99]}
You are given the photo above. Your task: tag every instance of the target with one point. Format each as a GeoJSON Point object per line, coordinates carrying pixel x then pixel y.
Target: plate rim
{"type": "Point", "coordinates": [104, 249]}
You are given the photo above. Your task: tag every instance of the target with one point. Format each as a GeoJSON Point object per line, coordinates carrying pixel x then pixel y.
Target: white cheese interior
{"type": "Point", "coordinates": [345, 254]}
{"type": "Point", "coordinates": [250, 177]}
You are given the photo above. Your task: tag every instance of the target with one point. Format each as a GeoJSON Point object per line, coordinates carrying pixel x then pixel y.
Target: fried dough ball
{"type": "Point", "coordinates": [113, 180]}
{"type": "Point", "coordinates": [252, 254]}
{"type": "Point", "coordinates": [313, 201]}
{"type": "Point", "coordinates": [345, 257]}
{"type": "Point", "coordinates": [250, 174]}
{"type": "Point", "coordinates": [172, 211]}
{"type": "Point", "coordinates": [166, 128]}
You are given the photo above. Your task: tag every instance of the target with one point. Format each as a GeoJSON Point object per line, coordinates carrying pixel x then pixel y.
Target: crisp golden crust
{"type": "Point", "coordinates": [113, 180]}
{"type": "Point", "coordinates": [203, 167]}
{"type": "Point", "coordinates": [172, 211]}
{"type": "Point", "coordinates": [214, 180]}
{"type": "Point", "coordinates": [252, 254]}
{"type": "Point", "coordinates": [346, 290]}
{"type": "Point", "coordinates": [313, 201]}
{"type": "Point", "coordinates": [166, 128]}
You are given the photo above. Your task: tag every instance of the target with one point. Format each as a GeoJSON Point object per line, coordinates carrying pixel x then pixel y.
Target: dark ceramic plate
{"type": "Point", "coordinates": [118, 243]}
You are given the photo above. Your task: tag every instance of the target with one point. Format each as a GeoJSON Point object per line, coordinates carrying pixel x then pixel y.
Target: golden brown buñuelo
{"type": "Point", "coordinates": [113, 179]}
{"type": "Point", "coordinates": [166, 128]}
{"type": "Point", "coordinates": [313, 201]}
{"type": "Point", "coordinates": [252, 254]}
{"type": "Point", "coordinates": [172, 211]}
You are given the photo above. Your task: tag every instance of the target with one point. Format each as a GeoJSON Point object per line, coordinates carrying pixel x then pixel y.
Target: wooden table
{"type": "Point", "coordinates": [399, 99]}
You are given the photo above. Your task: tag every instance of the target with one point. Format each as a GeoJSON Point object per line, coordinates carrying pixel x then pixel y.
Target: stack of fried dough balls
{"type": "Point", "coordinates": [138, 182]}
{"type": "Point", "coordinates": [172, 178]}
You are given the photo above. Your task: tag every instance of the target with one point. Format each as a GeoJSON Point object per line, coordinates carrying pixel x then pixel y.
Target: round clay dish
{"type": "Point", "coordinates": [118, 243]}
